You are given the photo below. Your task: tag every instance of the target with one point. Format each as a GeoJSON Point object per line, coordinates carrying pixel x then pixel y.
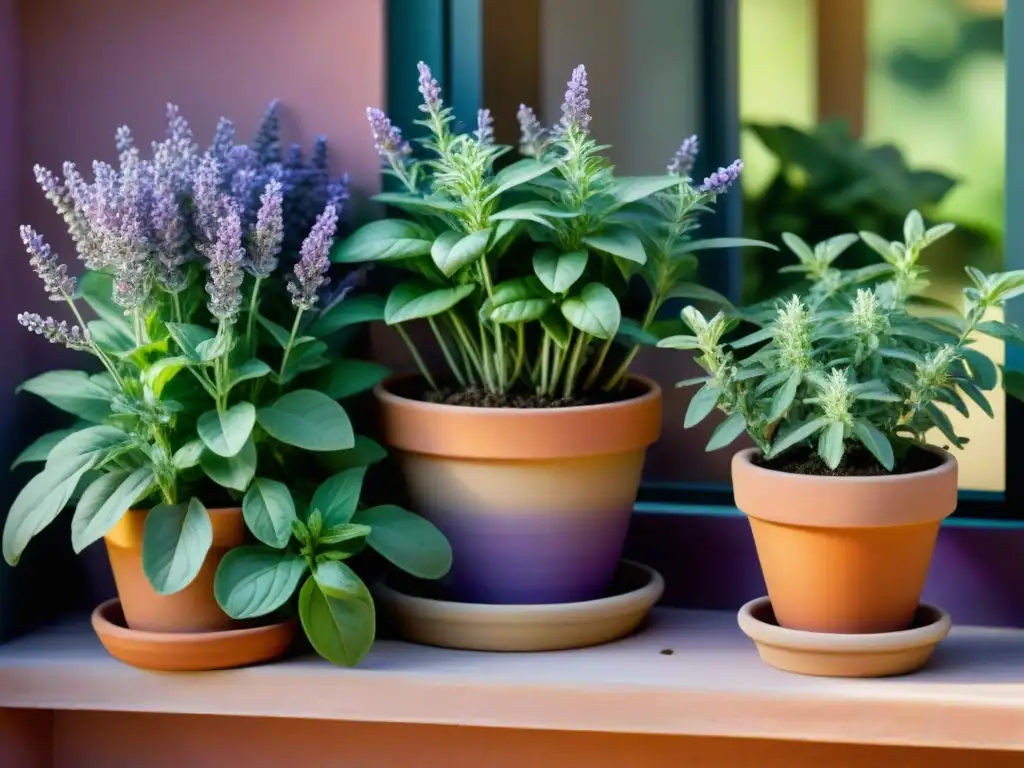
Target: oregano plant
{"type": "Point", "coordinates": [858, 363]}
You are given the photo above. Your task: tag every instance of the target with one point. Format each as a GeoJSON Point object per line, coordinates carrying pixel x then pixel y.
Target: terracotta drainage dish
{"type": "Point", "coordinates": [840, 655]}
{"type": "Point", "coordinates": [846, 555]}
{"type": "Point", "coordinates": [548, 627]}
{"type": "Point", "coordinates": [536, 502]}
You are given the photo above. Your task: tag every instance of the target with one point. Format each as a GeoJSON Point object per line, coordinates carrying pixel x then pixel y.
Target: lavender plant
{"type": "Point", "coordinates": [846, 375]}
{"type": "Point", "coordinates": [192, 259]}
{"type": "Point", "coordinates": [522, 274]}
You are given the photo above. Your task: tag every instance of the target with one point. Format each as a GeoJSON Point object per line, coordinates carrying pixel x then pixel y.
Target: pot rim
{"type": "Point", "coordinates": [382, 391]}
{"type": "Point", "coordinates": [747, 455]}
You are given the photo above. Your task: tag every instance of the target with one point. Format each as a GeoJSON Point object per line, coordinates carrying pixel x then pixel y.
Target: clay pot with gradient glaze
{"type": "Point", "coordinates": [535, 502]}
{"type": "Point", "coordinates": [844, 555]}
{"type": "Point", "coordinates": [193, 609]}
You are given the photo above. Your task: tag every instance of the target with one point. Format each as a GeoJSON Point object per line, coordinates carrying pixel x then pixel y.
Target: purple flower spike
{"type": "Point", "coordinates": [387, 138]}
{"type": "Point", "coordinates": [719, 181]}
{"type": "Point", "coordinates": [338, 193]}
{"type": "Point", "coordinates": [532, 134]}
{"type": "Point", "coordinates": [207, 198]}
{"type": "Point", "coordinates": [55, 332]}
{"type": "Point", "coordinates": [269, 232]}
{"type": "Point", "coordinates": [576, 107]}
{"type": "Point", "coordinates": [223, 139]}
{"type": "Point", "coordinates": [682, 161]}
{"type": "Point", "coordinates": [224, 285]}
{"type": "Point", "coordinates": [314, 260]}
{"type": "Point", "coordinates": [46, 264]}
{"type": "Point", "coordinates": [430, 90]}
{"type": "Point", "coordinates": [170, 235]}
{"type": "Point", "coordinates": [267, 142]}
{"type": "Point", "coordinates": [484, 126]}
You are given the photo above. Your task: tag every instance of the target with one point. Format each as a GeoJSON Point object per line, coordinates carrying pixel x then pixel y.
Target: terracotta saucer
{"type": "Point", "coordinates": [828, 655]}
{"type": "Point", "coordinates": [552, 627]}
{"type": "Point", "coordinates": [188, 651]}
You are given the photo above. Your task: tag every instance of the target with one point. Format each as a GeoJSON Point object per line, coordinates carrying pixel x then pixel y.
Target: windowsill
{"type": "Point", "coordinates": [713, 684]}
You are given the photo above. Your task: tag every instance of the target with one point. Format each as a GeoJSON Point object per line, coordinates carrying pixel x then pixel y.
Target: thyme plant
{"type": "Point", "coordinates": [522, 274]}
{"type": "Point", "coordinates": [847, 364]}
{"type": "Point", "coordinates": [216, 331]}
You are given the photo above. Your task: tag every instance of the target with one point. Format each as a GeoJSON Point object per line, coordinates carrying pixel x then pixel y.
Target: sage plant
{"type": "Point", "coordinates": [847, 364]}
{"type": "Point", "coordinates": [522, 273]}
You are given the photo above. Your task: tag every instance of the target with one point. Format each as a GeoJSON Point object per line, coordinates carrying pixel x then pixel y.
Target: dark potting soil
{"type": "Point", "coordinates": [857, 462]}
{"type": "Point", "coordinates": [475, 397]}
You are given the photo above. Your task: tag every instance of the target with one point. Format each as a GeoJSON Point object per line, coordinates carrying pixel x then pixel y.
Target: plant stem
{"type": "Point", "coordinates": [107, 362]}
{"type": "Point", "coordinates": [620, 373]}
{"type": "Point", "coordinates": [499, 347]}
{"type": "Point", "coordinates": [416, 357]}
{"type": "Point", "coordinates": [468, 347]}
{"type": "Point", "coordinates": [288, 348]}
{"type": "Point", "coordinates": [574, 364]}
{"type": "Point", "coordinates": [560, 356]}
{"type": "Point", "coordinates": [595, 371]}
{"type": "Point", "coordinates": [137, 328]}
{"type": "Point", "coordinates": [250, 323]}
{"type": "Point", "coordinates": [488, 361]}
{"type": "Point", "coordinates": [520, 352]}
{"type": "Point", "coordinates": [545, 364]}
{"type": "Point", "coordinates": [449, 358]}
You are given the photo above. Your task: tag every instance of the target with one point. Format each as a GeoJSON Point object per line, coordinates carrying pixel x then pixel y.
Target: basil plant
{"type": "Point", "coordinates": [847, 367]}
{"type": "Point", "coordinates": [219, 340]}
{"type": "Point", "coordinates": [523, 273]}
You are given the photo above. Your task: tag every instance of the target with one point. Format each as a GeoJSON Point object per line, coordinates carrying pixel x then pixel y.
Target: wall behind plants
{"type": "Point", "coordinates": [81, 68]}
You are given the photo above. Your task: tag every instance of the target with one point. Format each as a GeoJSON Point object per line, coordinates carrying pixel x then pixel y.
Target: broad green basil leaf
{"type": "Point", "coordinates": [408, 541]}
{"type": "Point", "coordinates": [350, 311]}
{"type": "Point", "coordinates": [94, 441]}
{"type": "Point", "coordinates": [250, 369]}
{"type": "Point", "coordinates": [384, 240]}
{"type": "Point", "coordinates": [556, 327]}
{"type": "Point", "coordinates": [104, 503]}
{"type": "Point", "coordinates": [337, 497]}
{"type": "Point", "coordinates": [225, 433]}
{"type": "Point", "coordinates": [595, 311]}
{"type": "Point", "coordinates": [110, 337]}
{"type": "Point", "coordinates": [415, 301]}
{"type": "Point", "coordinates": [40, 448]}
{"type": "Point", "coordinates": [307, 419]}
{"type": "Point", "coordinates": [84, 396]}
{"type": "Point", "coordinates": [629, 189]}
{"type": "Point", "coordinates": [340, 630]}
{"type": "Point", "coordinates": [631, 330]}
{"type": "Point", "coordinates": [453, 250]}
{"type": "Point", "coordinates": [618, 241]}
{"type": "Point", "coordinates": [559, 271]}
{"type": "Point", "coordinates": [269, 512]}
{"type": "Point", "coordinates": [520, 300]}
{"type": "Point", "coordinates": [158, 375]}
{"type": "Point", "coordinates": [188, 337]}
{"type": "Point", "coordinates": [535, 211]}
{"type": "Point", "coordinates": [308, 356]}
{"type": "Point", "coordinates": [235, 472]}
{"type": "Point", "coordinates": [189, 454]}
{"type": "Point", "coordinates": [364, 453]}
{"type": "Point", "coordinates": [518, 173]}
{"type": "Point", "coordinates": [253, 581]}
{"type": "Point", "coordinates": [175, 541]}
{"type": "Point", "coordinates": [345, 378]}
{"type": "Point", "coordinates": [341, 533]}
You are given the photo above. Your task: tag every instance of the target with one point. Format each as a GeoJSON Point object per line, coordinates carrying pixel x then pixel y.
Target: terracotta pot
{"type": "Point", "coordinates": [844, 554]}
{"type": "Point", "coordinates": [535, 502]}
{"type": "Point", "coordinates": [193, 609]}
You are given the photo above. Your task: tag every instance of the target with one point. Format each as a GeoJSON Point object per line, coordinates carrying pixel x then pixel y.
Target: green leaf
{"type": "Point", "coordinates": [559, 271]}
{"type": "Point", "coordinates": [520, 300]}
{"type": "Point", "coordinates": [453, 250]}
{"type": "Point", "coordinates": [384, 240]}
{"type": "Point", "coordinates": [253, 581]}
{"type": "Point", "coordinates": [84, 396]}
{"type": "Point", "coordinates": [188, 337]}
{"type": "Point", "coordinates": [415, 203]}
{"type": "Point", "coordinates": [893, 353]}
{"type": "Point", "coordinates": [97, 290]}
{"type": "Point", "coordinates": [879, 245]}
{"type": "Point", "coordinates": [281, 335]}
{"type": "Point", "coordinates": [632, 331]}
{"type": "Point", "coordinates": [618, 241]}
{"type": "Point", "coordinates": [39, 502]}
{"type": "Point", "coordinates": [338, 496]}
{"type": "Point", "coordinates": [104, 503]}
{"type": "Point", "coordinates": [701, 406]}
{"type": "Point", "coordinates": [941, 420]}
{"type": "Point", "coordinates": [726, 432]}
{"type": "Point", "coordinates": [799, 246]}
{"type": "Point", "coordinates": [269, 512]}
{"type": "Point", "coordinates": [214, 348]}
{"type": "Point", "coordinates": [535, 211]}
{"type": "Point", "coordinates": [913, 227]}
{"type": "Point", "coordinates": [875, 442]}
{"type": "Point", "coordinates": [795, 436]}
{"type": "Point", "coordinates": [339, 581]}
{"type": "Point", "coordinates": [226, 432]}
{"type": "Point", "coordinates": [595, 311]}
{"type": "Point", "coordinates": [408, 541]}
{"type": "Point", "coordinates": [629, 189]}
{"type": "Point", "coordinates": [345, 378]}
{"type": "Point", "coordinates": [754, 338]}
{"type": "Point", "coordinates": [339, 534]}
{"type": "Point", "coordinates": [363, 454]}
{"type": "Point", "coordinates": [784, 396]}
{"type": "Point", "coordinates": [40, 448]}
{"type": "Point", "coordinates": [830, 444]}
{"type": "Point", "coordinates": [188, 455]}
{"type": "Point", "coordinates": [517, 173]}
{"type": "Point", "coordinates": [978, 396]}
{"type": "Point", "coordinates": [110, 337]}
{"type": "Point", "coordinates": [307, 419]}
{"type": "Point", "coordinates": [353, 310]}
{"type": "Point", "coordinates": [415, 301]}
{"type": "Point", "coordinates": [340, 630]}
{"type": "Point", "coordinates": [93, 441]}
{"type": "Point", "coordinates": [983, 370]}
{"type": "Point", "coordinates": [724, 242]}
{"type": "Point", "coordinates": [308, 356]}
{"type": "Point", "coordinates": [174, 545]}
{"type": "Point", "coordinates": [697, 292]}
{"type": "Point", "coordinates": [679, 342]}
{"type": "Point", "coordinates": [235, 472]}
{"type": "Point", "coordinates": [250, 369]}
{"type": "Point", "coordinates": [158, 375]}
{"type": "Point", "coordinates": [556, 327]}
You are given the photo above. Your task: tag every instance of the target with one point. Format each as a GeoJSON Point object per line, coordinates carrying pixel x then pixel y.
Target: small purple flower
{"type": "Point", "coordinates": [484, 126]}
{"type": "Point", "coordinates": [64, 201]}
{"type": "Point", "coordinates": [338, 193]}
{"type": "Point", "coordinates": [267, 142]}
{"type": "Point", "coordinates": [223, 139]}
{"type": "Point", "coordinates": [269, 232]}
{"type": "Point", "coordinates": [429, 89]}
{"type": "Point", "coordinates": [125, 143]}
{"type": "Point", "coordinates": [314, 261]}
{"type": "Point", "coordinates": [170, 235]}
{"type": "Point", "coordinates": [387, 138]}
{"type": "Point", "coordinates": [532, 135]}
{"type": "Point", "coordinates": [224, 285]}
{"type": "Point", "coordinates": [682, 161]}
{"type": "Point", "coordinates": [44, 261]}
{"type": "Point", "coordinates": [719, 181]}
{"type": "Point", "coordinates": [55, 332]}
{"type": "Point", "coordinates": [576, 107]}
{"type": "Point", "coordinates": [207, 198]}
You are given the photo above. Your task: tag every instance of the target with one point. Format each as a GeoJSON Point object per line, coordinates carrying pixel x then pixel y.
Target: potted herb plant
{"type": "Point", "coordinates": [527, 451]}
{"type": "Point", "coordinates": [842, 389]}
{"type": "Point", "coordinates": [207, 412]}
